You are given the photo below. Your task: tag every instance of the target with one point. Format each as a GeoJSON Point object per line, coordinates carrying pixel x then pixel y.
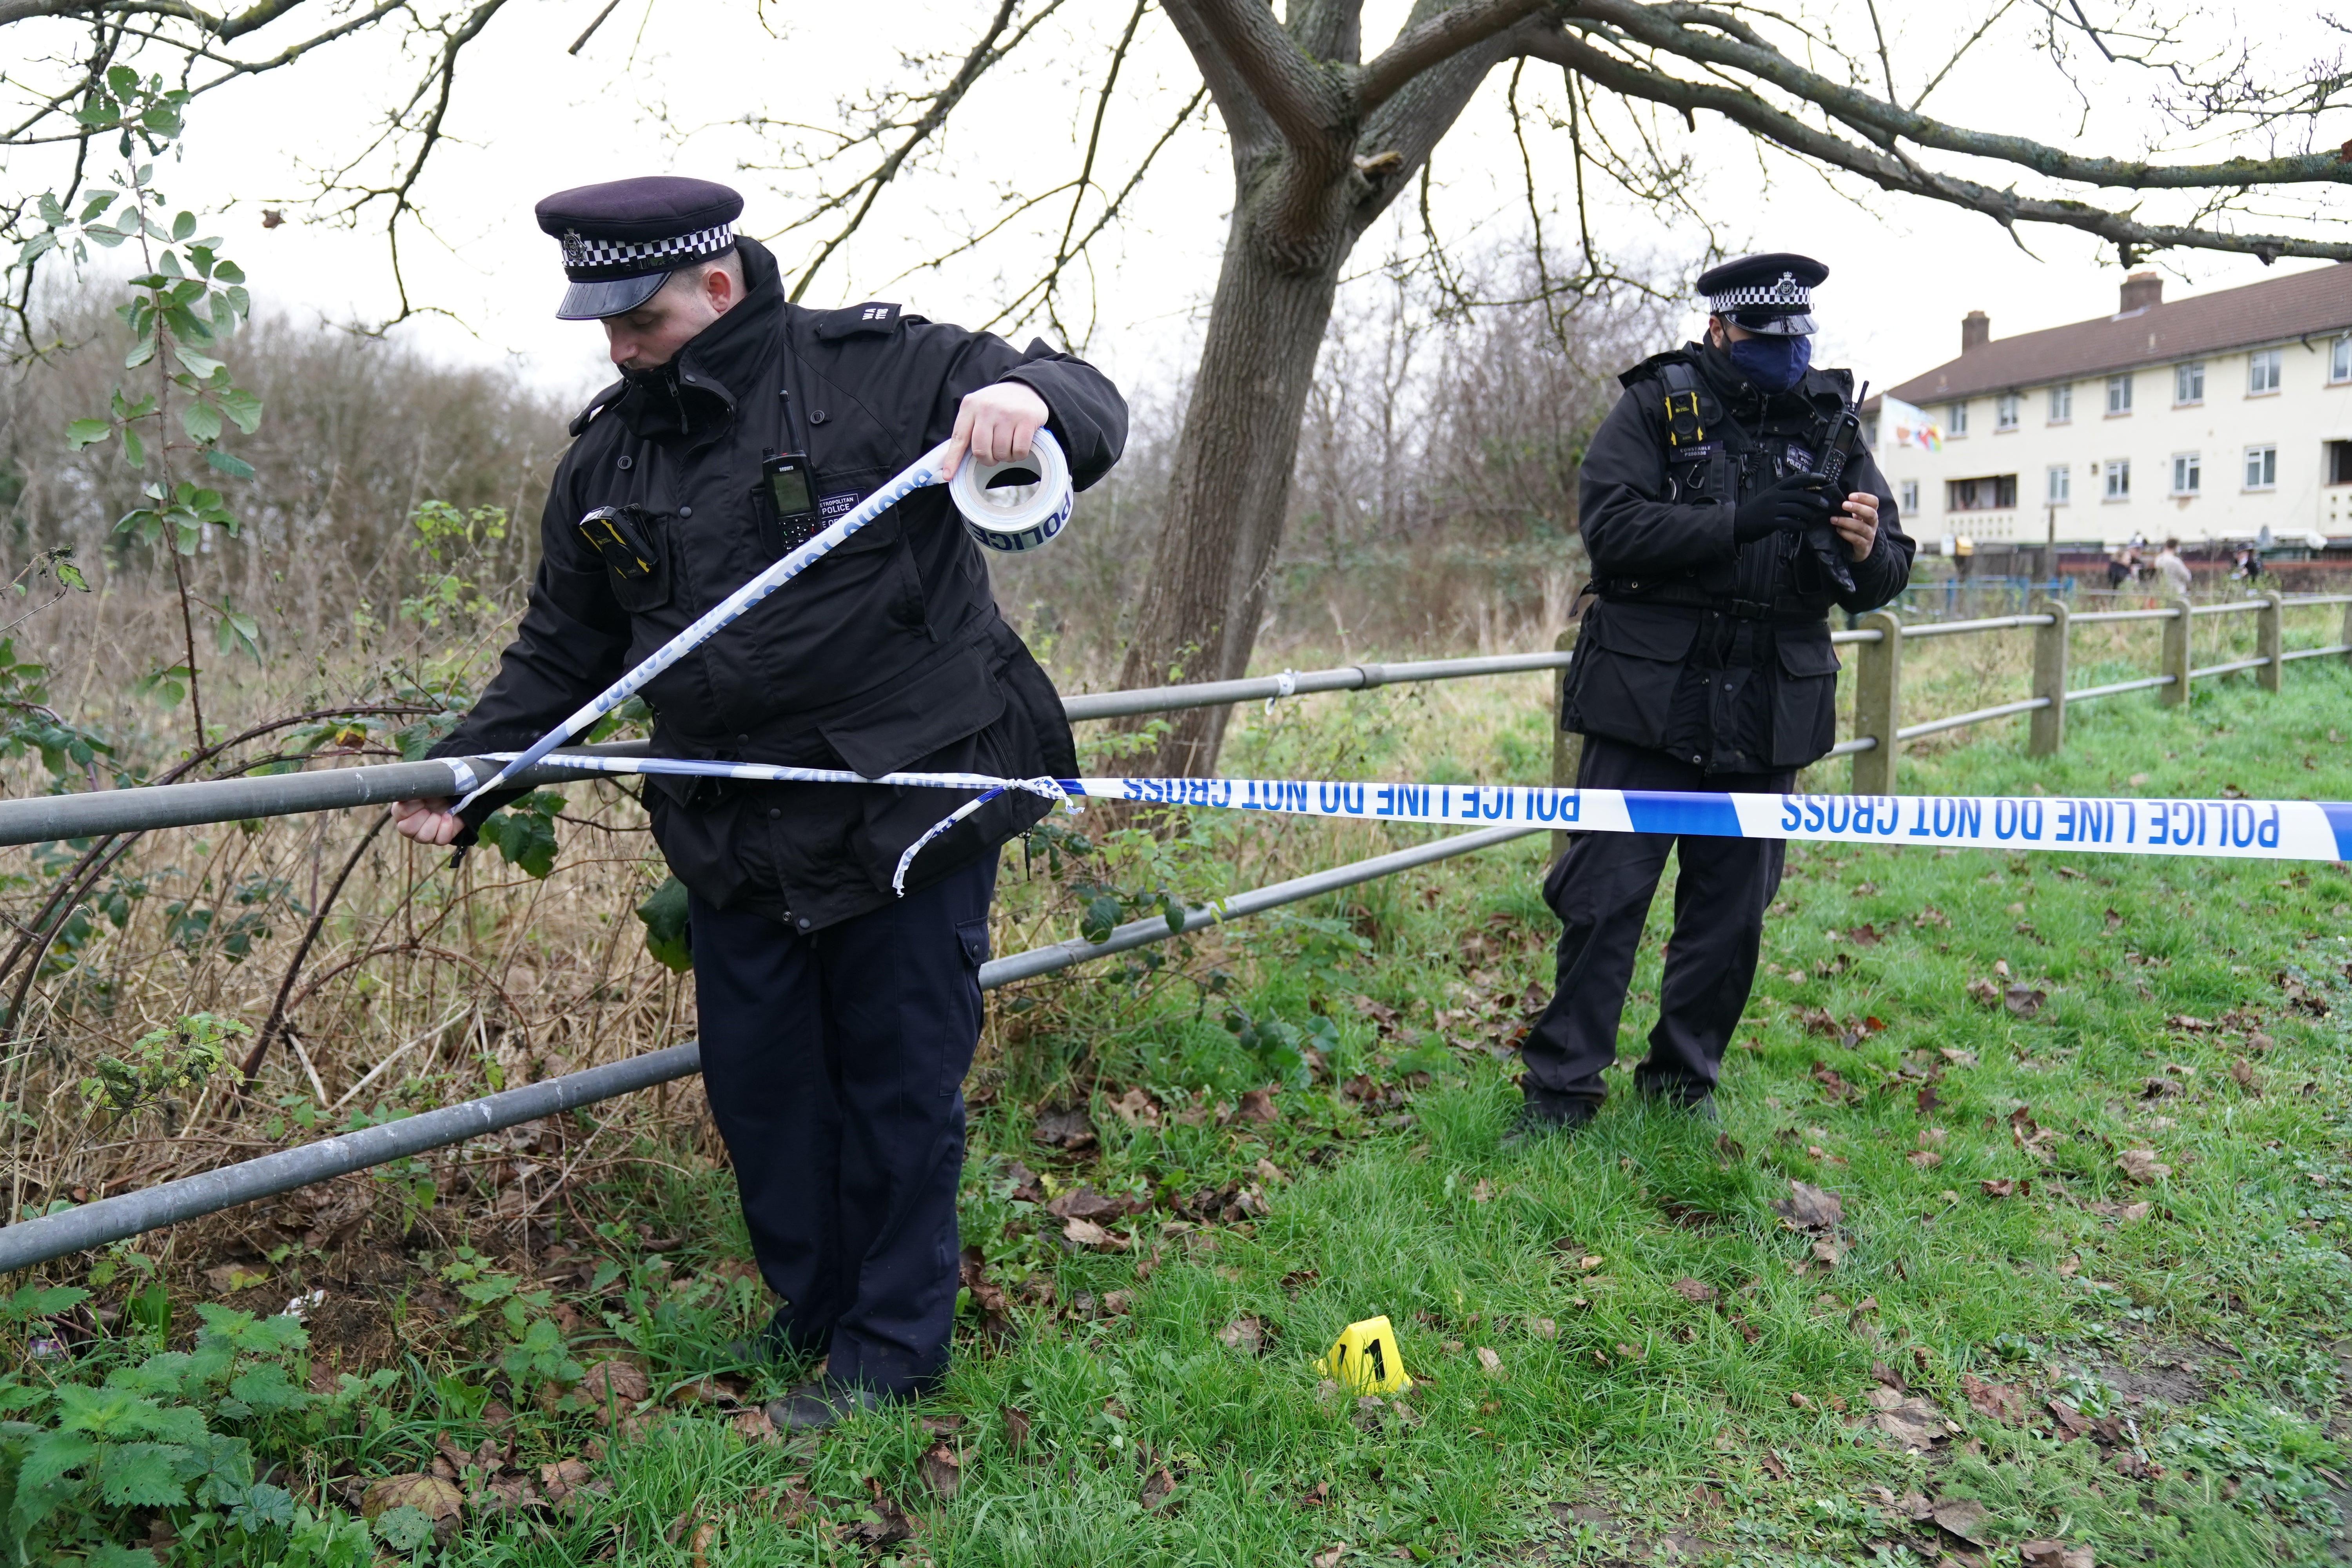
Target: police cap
{"type": "Point", "coordinates": [1772, 294]}
{"type": "Point", "coordinates": [622, 238]}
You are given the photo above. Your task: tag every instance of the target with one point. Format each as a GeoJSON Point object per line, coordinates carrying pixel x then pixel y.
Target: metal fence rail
{"type": "Point", "coordinates": [33, 1241]}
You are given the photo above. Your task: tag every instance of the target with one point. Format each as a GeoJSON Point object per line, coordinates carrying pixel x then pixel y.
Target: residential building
{"type": "Point", "coordinates": [2210, 418]}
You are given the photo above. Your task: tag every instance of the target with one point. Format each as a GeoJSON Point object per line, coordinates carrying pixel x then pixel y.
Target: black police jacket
{"type": "Point", "coordinates": [1713, 651]}
{"type": "Point", "coordinates": [887, 655]}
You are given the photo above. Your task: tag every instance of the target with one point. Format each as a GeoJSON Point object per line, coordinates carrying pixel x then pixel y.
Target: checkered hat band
{"type": "Point", "coordinates": [591, 260]}
{"type": "Point", "coordinates": [1784, 292]}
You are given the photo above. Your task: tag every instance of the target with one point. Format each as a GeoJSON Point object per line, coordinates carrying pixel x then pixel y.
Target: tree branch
{"type": "Point", "coordinates": [1304, 101]}
{"type": "Point", "coordinates": [1442, 37]}
{"type": "Point", "coordinates": [2004, 206]}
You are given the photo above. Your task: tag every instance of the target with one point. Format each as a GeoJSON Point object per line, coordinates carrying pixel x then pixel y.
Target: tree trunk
{"type": "Point", "coordinates": [1199, 615]}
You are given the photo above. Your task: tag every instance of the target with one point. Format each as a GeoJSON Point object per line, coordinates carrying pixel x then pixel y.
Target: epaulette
{"type": "Point", "coordinates": [1653, 365]}
{"type": "Point", "coordinates": [871, 319]}
{"type": "Point", "coordinates": [597, 405]}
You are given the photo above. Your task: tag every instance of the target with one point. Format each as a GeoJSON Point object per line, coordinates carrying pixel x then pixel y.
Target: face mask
{"type": "Point", "coordinates": [1773, 364]}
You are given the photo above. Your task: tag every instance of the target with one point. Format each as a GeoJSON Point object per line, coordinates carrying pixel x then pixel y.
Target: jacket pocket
{"type": "Point", "coordinates": [1804, 700]}
{"type": "Point", "coordinates": [1629, 658]}
{"type": "Point", "coordinates": [916, 717]}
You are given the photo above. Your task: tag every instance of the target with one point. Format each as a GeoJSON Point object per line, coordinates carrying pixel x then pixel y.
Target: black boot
{"type": "Point", "coordinates": [813, 1407]}
{"type": "Point", "coordinates": [1544, 1113]}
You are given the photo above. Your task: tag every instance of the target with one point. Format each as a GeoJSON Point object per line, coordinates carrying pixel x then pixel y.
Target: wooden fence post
{"type": "Point", "coordinates": [2344, 636]}
{"type": "Point", "coordinates": [1567, 746]}
{"type": "Point", "coordinates": [2049, 724]}
{"type": "Point", "coordinates": [1877, 703]}
{"type": "Point", "coordinates": [2176, 656]}
{"type": "Point", "coordinates": [2269, 639]}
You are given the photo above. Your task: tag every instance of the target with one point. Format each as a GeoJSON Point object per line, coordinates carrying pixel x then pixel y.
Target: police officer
{"type": "Point", "coordinates": [1703, 664]}
{"type": "Point", "coordinates": [837, 1021]}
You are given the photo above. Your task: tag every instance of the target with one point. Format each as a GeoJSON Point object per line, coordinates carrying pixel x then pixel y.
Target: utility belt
{"type": "Point", "coordinates": [1685, 593]}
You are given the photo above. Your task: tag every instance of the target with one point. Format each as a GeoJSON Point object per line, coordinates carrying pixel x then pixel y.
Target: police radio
{"type": "Point", "coordinates": [1829, 467]}
{"type": "Point", "coordinates": [790, 517]}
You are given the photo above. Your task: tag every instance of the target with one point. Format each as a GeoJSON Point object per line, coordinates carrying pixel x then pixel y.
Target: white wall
{"type": "Point", "coordinates": [2308, 411]}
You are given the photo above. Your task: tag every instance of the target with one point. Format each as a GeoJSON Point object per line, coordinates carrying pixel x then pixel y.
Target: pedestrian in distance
{"type": "Point", "coordinates": [836, 1019]}
{"type": "Point", "coordinates": [2173, 569]}
{"type": "Point", "coordinates": [1704, 663]}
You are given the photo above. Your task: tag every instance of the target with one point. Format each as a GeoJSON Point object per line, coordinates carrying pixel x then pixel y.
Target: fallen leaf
{"type": "Point", "coordinates": [1267, 1171]}
{"type": "Point", "coordinates": [1136, 1107]}
{"type": "Point", "coordinates": [1986, 992]}
{"type": "Point", "coordinates": [889, 1522]}
{"type": "Point", "coordinates": [1771, 1465]}
{"type": "Point", "coordinates": [1069, 1130]}
{"type": "Point", "coordinates": [622, 1384]}
{"type": "Point", "coordinates": [2006, 1187]}
{"type": "Point", "coordinates": [1156, 1489]}
{"type": "Point", "coordinates": [1910, 1420]}
{"type": "Point", "coordinates": [1086, 1233]}
{"type": "Point", "coordinates": [1016, 1427]}
{"type": "Point", "coordinates": [2241, 1073]}
{"type": "Point", "coordinates": [1117, 1303]}
{"type": "Point", "coordinates": [231, 1276]}
{"type": "Point", "coordinates": [1800, 1402]}
{"type": "Point", "coordinates": [1257, 1105]}
{"type": "Point", "coordinates": [1808, 1207]}
{"type": "Point", "coordinates": [942, 1468]}
{"type": "Point", "coordinates": [2054, 1554]}
{"type": "Point", "coordinates": [2142, 1166]}
{"type": "Point", "coordinates": [2124, 1213]}
{"type": "Point", "coordinates": [431, 1496]}
{"type": "Point", "coordinates": [1316, 1495]}
{"type": "Point", "coordinates": [1997, 1400]}
{"type": "Point", "coordinates": [565, 1477]}
{"type": "Point", "coordinates": [753, 1425]}
{"type": "Point", "coordinates": [2024, 1000]}
{"type": "Point", "coordinates": [1828, 1253]}
{"type": "Point", "coordinates": [1490, 1361]}
{"type": "Point", "coordinates": [1923, 1159]}
{"type": "Point", "coordinates": [1543, 1328]}
{"type": "Point", "coordinates": [1693, 1291]}
{"type": "Point", "coordinates": [1964, 1517]}
{"type": "Point", "coordinates": [1330, 1559]}
{"type": "Point", "coordinates": [1483, 1192]}
{"type": "Point", "coordinates": [1246, 1335]}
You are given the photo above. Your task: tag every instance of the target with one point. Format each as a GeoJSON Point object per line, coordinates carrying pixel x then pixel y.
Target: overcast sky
{"type": "Point", "coordinates": [664, 84]}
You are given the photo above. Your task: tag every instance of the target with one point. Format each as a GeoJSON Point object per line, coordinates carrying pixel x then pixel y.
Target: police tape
{"type": "Point", "coordinates": [2129, 825]}
{"type": "Point", "coordinates": [1052, 493]}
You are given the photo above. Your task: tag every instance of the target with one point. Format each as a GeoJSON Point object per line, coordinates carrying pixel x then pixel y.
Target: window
{"type": "Point", "coordinates": [2062, 485]}
{"type": "Point", "coordinates": [1955, 419]}
{"type": "Point", "coordinates": [1908, 500]}
{"type": "Point", "coordinates": [2339, 462]}
{"type": "Point", "coordinates": [2119, 474]}
{"type": "Point", "coordinates": [2263, 371]}
{"type": "Point", "coordinates": [2188, 474]}
{"type": "Point", "coordinates": [2005, 411]}
{"type": "Point", "coordinates": [2189, 382]}
{"type": "Point", "coordinates": [1994, 492]}
{"type": "Point", "coordinates": [2119, 394]}
{"type": "Point", "coordinates": [2339, 360]}
{"type": "Point", "coordinates": [2062, 403]}
{"type": "Point", "coordinates": [2262, 468]}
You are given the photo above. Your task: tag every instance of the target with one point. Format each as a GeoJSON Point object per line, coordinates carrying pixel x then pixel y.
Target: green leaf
{"type": "Point", "coordinates": [230, 272]}
{"type": "Point", "coordinates": [525, 838]}
{"type": "Point", "coordinates": [202, 421]}
{"type": "Point", "coordinates": [70, 576]}
{"type": "Point", "coordinates": [50, 1456]}
{"type": "Point", "coordinates": [665, 915]}
{"type": "Point", "coordinates": [243, 408]}
{"type": "Point", "coordinates": [403, 1529]}
{"type": "Point", "coordinates": [82, 433]}
{"type": "Point", "coordinates": [42, 1302]}
{"type": "Point", "coordinates": [111, 1555]}
{"type": "Point", "coordinates": [134, 448]}
{"type": "Point", "coordinates": [140, 352]}
{"type": "Point", "coordinates": [183, 227]}
{"type": "Point", "coordinates": [141, 1475]}
{"type": "Point", "coordinates": [236, 467]}
{"type": "Point", "coordinates": [199, 364]}
{"type": "Point", "coordinates": [267, 1390]}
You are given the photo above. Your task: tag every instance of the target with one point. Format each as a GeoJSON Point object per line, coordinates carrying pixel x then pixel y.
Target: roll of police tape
{"type": "Point", "coordinates": [1023, 511]}
{"type": "Point", "coordinates": [2226, 829]}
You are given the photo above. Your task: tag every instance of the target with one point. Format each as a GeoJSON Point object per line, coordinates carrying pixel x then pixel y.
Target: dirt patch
{"type": "Point", "coordinates": [1627, 1545]}
{"type": "Point", "coordinates": [2174, 1374]}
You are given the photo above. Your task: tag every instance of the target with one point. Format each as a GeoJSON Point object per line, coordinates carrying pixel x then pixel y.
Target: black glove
{"type": "Point", "coordinates": [1797, 501]}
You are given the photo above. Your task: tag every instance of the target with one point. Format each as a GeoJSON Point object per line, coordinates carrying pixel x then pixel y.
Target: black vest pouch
{"type": "Point", "coordinates": [1629, 658]}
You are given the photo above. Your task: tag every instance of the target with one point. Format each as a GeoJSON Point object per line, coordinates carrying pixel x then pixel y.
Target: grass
{"type": "Point", "coordinates": [1675, 1367]}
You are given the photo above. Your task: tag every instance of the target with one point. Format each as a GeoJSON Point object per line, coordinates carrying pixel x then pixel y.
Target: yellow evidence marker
{"type": "Point", "coordinates": [1365, 1359]}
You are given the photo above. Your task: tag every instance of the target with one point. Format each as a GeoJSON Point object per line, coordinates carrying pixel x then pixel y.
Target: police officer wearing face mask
{"type": "Point", "coordinates": [836, 1019]}
{"type": "Point", "coordinates": [1704, 664]}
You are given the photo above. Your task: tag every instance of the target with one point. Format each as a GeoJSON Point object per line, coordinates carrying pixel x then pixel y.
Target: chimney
{"type": "Point", "coordinates": [1976, 331]}
{"type": "Point", "coordinates": [2142, 290]}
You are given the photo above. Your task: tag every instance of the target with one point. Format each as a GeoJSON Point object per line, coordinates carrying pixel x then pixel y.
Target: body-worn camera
{"type": "Point", "coordinates": [618, 534]}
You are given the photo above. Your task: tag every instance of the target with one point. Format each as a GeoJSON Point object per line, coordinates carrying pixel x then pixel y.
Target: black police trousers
{"type": "Point", "coordinates": [1601, 890]}
{"type": "Point", "coordinates": [834, 1062]}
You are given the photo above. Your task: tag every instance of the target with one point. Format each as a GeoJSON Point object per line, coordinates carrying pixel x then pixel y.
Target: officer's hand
{"type": "Point", "coordinates": [426, 821]}
{"type": "Point", "coordinates": [1796, 502]}
{"type": "Point", "coordinates": [995, 424]}
{"type": "Point", "coordinates": [1858, 524]}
